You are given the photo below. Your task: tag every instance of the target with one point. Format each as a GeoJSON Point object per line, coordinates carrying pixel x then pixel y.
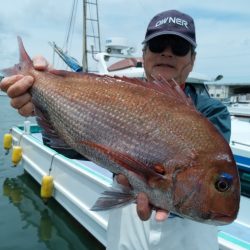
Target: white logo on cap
{"type": "Point", "coordinates": [169, 20]}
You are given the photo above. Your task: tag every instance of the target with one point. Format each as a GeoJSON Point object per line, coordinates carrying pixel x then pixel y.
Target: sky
{"type": "Point", "coordinates": [222, 30]}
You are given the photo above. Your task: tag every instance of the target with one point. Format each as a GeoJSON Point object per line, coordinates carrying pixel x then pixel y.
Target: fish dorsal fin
{"type": "Point", "coordinates": [136, 81]}
{"type": "Point", "coordinates": [160, 84]}
{"type": "Point", "coordinates": [172, 88]}
{"type": "Point", "coordinates": [168, 87]}
{"type": "Point", "coordinates": [65, 73]}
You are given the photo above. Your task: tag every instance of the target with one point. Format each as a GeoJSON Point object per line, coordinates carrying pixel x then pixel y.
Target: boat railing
{"type": "Point", "coordinates": [240, 143]}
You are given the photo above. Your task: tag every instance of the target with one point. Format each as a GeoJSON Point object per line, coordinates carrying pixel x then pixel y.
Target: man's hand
{"type": "Point", "coordinates": [17, 88]}
{"type": "Point", "coordinates": [144, 209]}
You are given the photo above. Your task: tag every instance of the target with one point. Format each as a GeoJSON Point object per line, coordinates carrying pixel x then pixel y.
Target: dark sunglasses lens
{"type": "Point", "coordinates": [179, 46]}
{"type": "Point", "coordinates": [156, 45]}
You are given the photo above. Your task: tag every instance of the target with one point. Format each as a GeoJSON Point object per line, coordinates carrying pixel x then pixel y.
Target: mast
{"type": "Point", "coordinates": [84, 44]}
{"type": "Point", "coordinates": [91, 32]}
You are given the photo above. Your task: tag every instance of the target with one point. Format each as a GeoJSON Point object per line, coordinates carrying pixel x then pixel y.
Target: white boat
{"type": "Point", "coordinates": [77, 185]}
{"type": "Point", "coordinates": [241, 110]}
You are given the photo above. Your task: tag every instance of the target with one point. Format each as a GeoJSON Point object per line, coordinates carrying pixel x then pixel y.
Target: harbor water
{"type": "Point", "coordinates": [26, 223]}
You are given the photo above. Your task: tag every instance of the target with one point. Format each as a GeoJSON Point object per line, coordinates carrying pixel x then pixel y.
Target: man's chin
{"type": "Point", "coordinates": [165, 72]}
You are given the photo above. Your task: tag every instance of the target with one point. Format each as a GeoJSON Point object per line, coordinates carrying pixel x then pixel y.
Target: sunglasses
{"type": "Point", "coordinates": [178, 45]}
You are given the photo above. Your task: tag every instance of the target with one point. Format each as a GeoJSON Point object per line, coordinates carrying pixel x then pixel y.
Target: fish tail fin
{"type": "Point", "coordinates": [113, 199]}
{"type": "Point", "coordinates": [23, 55]}
{"type": "Point", "coordinates": [25, 63]}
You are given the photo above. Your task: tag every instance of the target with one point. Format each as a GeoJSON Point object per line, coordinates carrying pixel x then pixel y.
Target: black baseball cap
{"type": "Point", "coordinates": [172, 22]}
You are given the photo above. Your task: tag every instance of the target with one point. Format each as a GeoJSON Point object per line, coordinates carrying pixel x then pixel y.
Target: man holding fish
{"type": "Point", "coordinates": [169, 55]}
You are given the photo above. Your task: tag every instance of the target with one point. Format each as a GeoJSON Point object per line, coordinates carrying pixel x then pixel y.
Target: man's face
{"type": "Point", "coordinates": [169, 56]}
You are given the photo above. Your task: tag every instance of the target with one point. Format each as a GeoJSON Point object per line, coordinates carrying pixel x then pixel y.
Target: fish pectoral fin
{"type": "Point", "coordinates": [113, 199]}
{"type": "Point", "coordinates": [48, 132]}
{"type": "Point", "coordinates": [128, 162]}
{"type": "Point", "coordinates": [159, 168]}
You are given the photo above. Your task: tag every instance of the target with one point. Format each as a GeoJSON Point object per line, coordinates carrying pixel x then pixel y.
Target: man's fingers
{"type": "Point", "coordinates": [143, 208]}
{"type": "Point", "coordinates": [40, 63]}
{"type": "Point", "coordinates": [20, 101]}
{"type": "Point", "coordinates": [27, 109]}
{"type": "Point", "coordinates": [123, 180]}
{"type": "Point", "coordinates": [185, 72]}
{"type": "Point", "coordinates": [20, 87]}
{"type": "Point", "coordinates": [161, 215]}
{"type": "Point", "coordinates": [8, 81]}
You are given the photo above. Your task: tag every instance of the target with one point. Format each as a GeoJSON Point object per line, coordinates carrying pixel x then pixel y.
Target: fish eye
{"type": "Point", "coordinates": [223, 182]}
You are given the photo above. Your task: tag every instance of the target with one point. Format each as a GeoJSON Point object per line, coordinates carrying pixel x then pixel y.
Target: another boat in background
{"type": "Point", "coordinates": [240, 110]}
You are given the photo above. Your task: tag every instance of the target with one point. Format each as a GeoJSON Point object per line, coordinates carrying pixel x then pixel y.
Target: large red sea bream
{"type": "Point", "coordinates": [150, 132]}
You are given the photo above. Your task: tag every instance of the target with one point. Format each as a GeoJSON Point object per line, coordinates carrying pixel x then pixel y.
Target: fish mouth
{"type": "Point", "coordinates": [223, 218]}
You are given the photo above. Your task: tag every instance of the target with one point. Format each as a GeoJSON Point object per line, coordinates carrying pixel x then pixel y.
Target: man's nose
{"type": "Point", "coordinates": [167, 51]}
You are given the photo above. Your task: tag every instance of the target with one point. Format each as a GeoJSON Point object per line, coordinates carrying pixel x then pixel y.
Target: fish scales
{"type": "Point", "coordinates": [112, 116]}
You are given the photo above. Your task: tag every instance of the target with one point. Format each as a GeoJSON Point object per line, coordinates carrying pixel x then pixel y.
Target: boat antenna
{"type": "Point", "coordinates": [84, 40]}
{"type": "Point", "coordinates": [71, 25]}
